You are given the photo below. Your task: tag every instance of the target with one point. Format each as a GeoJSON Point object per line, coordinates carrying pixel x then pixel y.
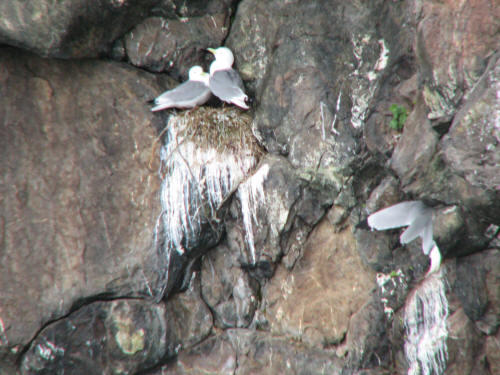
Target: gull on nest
{"type": "Point", "coordinates": [192, 93]}
{"type": "Point", "coordinates": [225, 82]}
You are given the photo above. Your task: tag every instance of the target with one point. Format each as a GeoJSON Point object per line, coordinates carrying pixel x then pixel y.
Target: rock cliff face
{"type": "Point", "coordinates": [272, 268]}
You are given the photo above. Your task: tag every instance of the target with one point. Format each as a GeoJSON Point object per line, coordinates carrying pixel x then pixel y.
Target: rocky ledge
{"type": "Point", "coordinates": [269, 267]}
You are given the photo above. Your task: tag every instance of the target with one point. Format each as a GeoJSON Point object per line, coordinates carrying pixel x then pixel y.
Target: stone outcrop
{"type": "Point", "coordinates": [72, 164]}
{"type": "Point", "coordinates": [270, 267]}
{"type": "Point", "coordinates": [69, 29]}
{"type": "Point", "coordinates": [176, 36]}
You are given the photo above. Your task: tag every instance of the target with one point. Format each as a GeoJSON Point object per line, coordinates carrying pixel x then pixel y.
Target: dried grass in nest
{"type": "Point", "coordinates": [226, 129]}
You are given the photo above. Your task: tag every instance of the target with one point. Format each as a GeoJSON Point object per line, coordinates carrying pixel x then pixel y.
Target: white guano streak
{"type": "Point", "coordinates": [196, 183]}
{"type": "Point", "coordinates": [364, 85]}
{"type": "Point", "coordinates": [251, 194]}
{"type": "Point", "coordinates": [425, 317]}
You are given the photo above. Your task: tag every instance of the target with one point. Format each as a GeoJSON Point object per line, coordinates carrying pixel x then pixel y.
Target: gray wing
{"type": "Point", "coordinates": [227, 84]}
{"type": "Point", "coordinates": [416, 229]}
{"type": "Point", "coordinates": [399, 215]}
{"type": "Point", "coordinates": [186, 95]}
{"type": "Point", "coordinates": [420, 227]}
{"type": "Point", "coordinates": [427, 238]}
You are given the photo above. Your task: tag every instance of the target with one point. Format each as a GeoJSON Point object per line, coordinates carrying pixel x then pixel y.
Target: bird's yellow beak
{"type": "Point", "coordinates": [211, 50]}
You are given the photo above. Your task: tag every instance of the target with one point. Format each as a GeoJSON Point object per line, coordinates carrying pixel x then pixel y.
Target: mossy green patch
{"type": "Point", "coordinates": [399, 115]}
{"type": "Point", "coordinates": [394, 274]}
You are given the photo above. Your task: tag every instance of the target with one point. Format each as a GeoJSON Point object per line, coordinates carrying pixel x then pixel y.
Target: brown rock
{"type": "Point", "coordinates": [315, 301]}
{"type": "Point", "coordinates": [289, 209]}
{"type": "Point", "coordinates": [367, 343]}
{"type": "Point", "coordinates": [76, 139]}
{"type": "Point", "coordinates": [227, 289]}
{"type": "Point", "coordinates": [464, 345]}
{"type": "Point", "coordinates": [472, 146]}
{"type": "Point", "coordinates": [478, 289]}
{"type": "Point", "coordinates": [262, 353]}
{"type": "Point", "coordinates": [416, 147]}
{"type": "Point", "coordinates": [188, 316]}
{"type": "Point", "coordinates": [214, 356]}
{"type": "Point", "coordinates": [251, 39]}
{"type": "Point", "coordinates": [454, 41]}
{"type": "Point", "coordinates": [493, 352]}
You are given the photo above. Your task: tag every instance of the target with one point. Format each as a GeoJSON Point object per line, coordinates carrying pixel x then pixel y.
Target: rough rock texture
{"type": "Point", "coordinates": [122, 336]}
{"type": "Point", "coordinates": [304, 303]}
{"type": "Point", "coordinates": [188, 318]}
{"type": "Point", "coordinates": [71, 166]}
{"type": "Point", "coordinates": [229, 291]}
{"type": "Point", "coordinates": [69, 29]}
{"type": "Point", "coordinates": [454, 42]}
{"type": "Point", "coordinates": [245, 352]}
{"type": "Point", "coordinates": [177, 37]}
{"type": "Point", "coordinates": [284, 276]}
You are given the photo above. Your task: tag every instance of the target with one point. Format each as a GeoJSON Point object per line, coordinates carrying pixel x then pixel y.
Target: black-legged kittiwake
{"type": "Point", "coordinates": [193, 92]}
{"type": "Point", "coordinates": [225, 82]}
{"type": "Point", "coordinates": [418, 218]}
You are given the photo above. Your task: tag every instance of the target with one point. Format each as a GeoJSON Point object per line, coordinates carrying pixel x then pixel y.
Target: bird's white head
{"type": "Point", "coordinates": [196, 73]}
{"type": "Point", "coordinates": [224, 58]}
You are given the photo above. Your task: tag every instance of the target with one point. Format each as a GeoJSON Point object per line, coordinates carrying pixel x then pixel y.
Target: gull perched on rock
{"type": "Point", "coordinates": [418, 218]}
{"type": "Point", "coordinates": [225, 82]}
{"type": "Point", "coordinates": [193, 92]}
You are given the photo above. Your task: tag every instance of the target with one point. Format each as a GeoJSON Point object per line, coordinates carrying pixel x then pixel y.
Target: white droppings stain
{"type": "Point", "coordinates": [337, 108]}
{"type": "Point", "coordinates": [371, 75]}
{"type": "Point", "coordinates": [450, 210]}
{"type": "Point", "coordinates": [118, 3]}
{"type": "Point", "coordinates": [198, 179]}
{"type": "Point", "coordinates": [229, 364]}
{"type": "Point", "coordinates": [384, 56]}
{"type": "Point", "coordinates": [321, 106]}
{"type": "Point", "coordinates": [48, 350]}
{"type": "Point", "coordinates": [364, 85]}
{"type": "Point", "coordinates": [425, 317]}
{"type": "Point", "coordinates": [388, 284]}
{"type": "Point", "coordinates": [251, 194]}
{"type": "Point", "coordinates": [3, 337]}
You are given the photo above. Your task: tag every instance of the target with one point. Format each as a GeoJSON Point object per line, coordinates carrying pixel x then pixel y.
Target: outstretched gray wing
{"type": "Point", "coordinates": [399, 215]}
{"type": "Point", "coordinates": [226, 84]}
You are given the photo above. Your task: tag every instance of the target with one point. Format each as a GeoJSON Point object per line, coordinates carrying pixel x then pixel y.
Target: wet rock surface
{"type": "Point", "coordinates": [100, 271]}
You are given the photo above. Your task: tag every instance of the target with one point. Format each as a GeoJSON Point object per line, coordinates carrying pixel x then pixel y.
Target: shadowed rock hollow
{"type": "Point", "coordinates": [216, 241]}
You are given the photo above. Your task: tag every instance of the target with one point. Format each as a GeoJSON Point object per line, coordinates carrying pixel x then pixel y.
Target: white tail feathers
{"type": "Point", "coordinates": [240, 102]}
{"type": "Point", "coordinates": [161, 105]}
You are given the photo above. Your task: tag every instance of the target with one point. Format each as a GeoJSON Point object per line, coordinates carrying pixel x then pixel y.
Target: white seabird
{"type": "Point", "coordinates": [225, 82]}
{"type": "Point", "coordinates": [418, 218]}
{"type": "Point", "coordinates": [193, 92]}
